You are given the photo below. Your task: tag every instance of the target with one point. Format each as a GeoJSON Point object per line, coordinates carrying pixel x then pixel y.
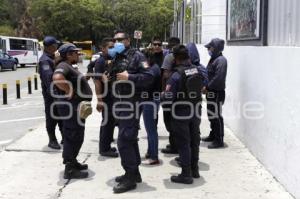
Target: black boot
{"type": "Point", "coordinates": [53, 144]}
{"type": "Point", "coordinates": [195, 171]}
{"type": "Point", "coordinates": [127, 183]}
{"type": "Point", "coordinates": [137, 177]}
{"type": "Point", "coordinates": [209, 138]}
{"type": "Point", "coordinates": [169, 151]}
{"type": "Point", "coordinates": [80, 166]}
{"type": "Point", "coordinates": [216, 145]}
{"type": "Point", "coordinates": [185, 177]}
{"type": "Point", "coordinates": [71, 172]}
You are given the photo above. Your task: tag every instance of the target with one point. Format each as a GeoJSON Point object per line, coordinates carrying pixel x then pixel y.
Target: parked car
{"type": "Point", "coordinates": [7, 62]}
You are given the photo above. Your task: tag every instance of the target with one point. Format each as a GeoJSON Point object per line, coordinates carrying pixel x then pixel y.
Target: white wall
{"type": "Point", "coordinates": [269, 79]}
{"type": "Point", "coordinates": [266, 80]}
{"type": "Point", "coordinates": [213, 19]}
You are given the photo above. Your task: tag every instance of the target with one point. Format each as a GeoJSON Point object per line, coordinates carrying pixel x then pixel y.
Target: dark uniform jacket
{"type": "Point", "coordinates": [79, 83]}
{"type": "Point", "coordinates": [46, 69]}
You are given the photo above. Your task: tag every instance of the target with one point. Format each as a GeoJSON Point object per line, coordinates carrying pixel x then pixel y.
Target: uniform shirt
{"type": "Point", "coordinates": [172, 89]}
{"type": "Point", "coordinates": [217, 72]}
{"type": "Point", "coordinates": [78, 81]}
{"type": "Point", "coordinates": [99, 69]}
{"type": "Point", "coordinates": [139, 71]}
{"type": "Point", "coordinates": [46, 69]}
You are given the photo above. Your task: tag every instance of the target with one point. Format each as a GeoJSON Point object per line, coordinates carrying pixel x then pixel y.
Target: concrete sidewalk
{"type": "Point", "coordinates": [29, 169]}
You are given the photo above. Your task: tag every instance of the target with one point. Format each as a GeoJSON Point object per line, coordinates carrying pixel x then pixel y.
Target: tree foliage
{"type": "Point", "coordinates": [86, 19]}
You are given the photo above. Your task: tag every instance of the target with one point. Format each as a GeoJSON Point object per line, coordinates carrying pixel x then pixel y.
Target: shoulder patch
{"type": "Point", "coordinates": [46, 67]}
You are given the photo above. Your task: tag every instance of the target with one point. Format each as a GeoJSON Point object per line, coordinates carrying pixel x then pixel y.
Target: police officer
{"type": "Point", "coordinates": [217, 71]}
{"type": "Point", "coordinates": [46, 69]}
{"type": "Point", "coordinates": [184, 90]}
{"type": "Point", "coordinates": [138, 74]}
{"type": "Point", "coordinates": [105, 100]}
{"type": "Point", "coordinates": [72, 90]}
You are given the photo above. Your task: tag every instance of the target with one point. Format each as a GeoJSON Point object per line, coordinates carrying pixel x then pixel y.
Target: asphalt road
{"type": "Point", "coordinates": [22, 115]}
{"type": "Point", "coordinates": [9, 77]}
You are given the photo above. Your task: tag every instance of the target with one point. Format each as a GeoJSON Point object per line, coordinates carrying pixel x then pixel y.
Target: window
{"type": "Point", "coordinates": [18, 44]}
{"type": "Point", "coordinates": [29, 45]}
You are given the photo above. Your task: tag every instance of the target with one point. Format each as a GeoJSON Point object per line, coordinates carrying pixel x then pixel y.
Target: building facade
{"type": "Point", "coordinates": [263, 47]}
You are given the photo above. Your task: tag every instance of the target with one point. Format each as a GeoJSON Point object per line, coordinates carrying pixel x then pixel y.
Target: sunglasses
{"type": "Point", "coordinates": [119, 39]}
{"type": "Point", "coordinates": [157, 44]}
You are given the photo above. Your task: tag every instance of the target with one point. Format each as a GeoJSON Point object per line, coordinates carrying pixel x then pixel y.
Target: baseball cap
{"type": "Point", "coordinates": [50, 40]}
{"type": "Point", "coordinates": [65, 48]}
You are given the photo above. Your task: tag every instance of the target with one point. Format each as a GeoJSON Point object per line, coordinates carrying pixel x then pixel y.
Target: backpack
{"type": "Point", "coordinates": [192, 82]}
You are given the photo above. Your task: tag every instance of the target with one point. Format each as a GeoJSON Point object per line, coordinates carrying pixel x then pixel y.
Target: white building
{"type": "Point", "coordinates": [263, 75]}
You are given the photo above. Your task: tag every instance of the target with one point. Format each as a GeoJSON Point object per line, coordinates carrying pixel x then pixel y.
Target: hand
{"type": "Point", "coordinates": [100, 106]}
{"type": "Point", "coordinates": [123, 76]}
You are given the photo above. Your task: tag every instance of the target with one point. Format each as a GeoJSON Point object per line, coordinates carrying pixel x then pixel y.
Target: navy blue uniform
{"type": "Point", "coordinates": [46, 69]}
{"type": "Point", "coordinates": [107, 129]}
{"type": "Point", "coordinates": [73, 126]}
{"type": "Point", "coordinates": [186, 130]}
{"type": "Point", "coordinates": [141, 77]}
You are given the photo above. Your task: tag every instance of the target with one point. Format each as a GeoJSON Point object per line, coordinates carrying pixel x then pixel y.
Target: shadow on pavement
{"type": "Point", "coordinates": [170, 185]}
{"type": "Point", "coordinates": [141, 187]}
{"type": "Point", "coordinates": [64, 182]}
{"type": "Point", "coordinates": [205, 144]}
{"type": "Point", "coordinates": [202, 166]}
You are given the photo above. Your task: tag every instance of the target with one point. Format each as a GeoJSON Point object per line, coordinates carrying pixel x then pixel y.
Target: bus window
{"type": "Point", "coordinates": [29, 45]}
{"type": "Point", "coordinates": [17, 44]}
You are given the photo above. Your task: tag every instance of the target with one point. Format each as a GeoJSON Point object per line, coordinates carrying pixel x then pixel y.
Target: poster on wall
{"type": "Point", "coordinates": [245, 19]}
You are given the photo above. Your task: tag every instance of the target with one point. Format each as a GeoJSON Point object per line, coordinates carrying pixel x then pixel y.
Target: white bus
{"type": "Point", "coordinates": [25, 50]}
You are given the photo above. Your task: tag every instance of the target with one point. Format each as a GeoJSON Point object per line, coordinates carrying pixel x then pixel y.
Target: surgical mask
{"type": "Point", "coordinates": [112, 52]}
{"type": "Point", "coordinates": [210, 53]}
{"type": "Point", "coordinates": [117, 49]}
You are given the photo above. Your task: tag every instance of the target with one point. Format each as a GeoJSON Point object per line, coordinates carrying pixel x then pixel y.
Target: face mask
{"type": "Point", "coordinates": [210, 53]}
{"type": "Point", "coordinates": [117, 49]}
{"type": "Point", "coordinates": [112, 52]}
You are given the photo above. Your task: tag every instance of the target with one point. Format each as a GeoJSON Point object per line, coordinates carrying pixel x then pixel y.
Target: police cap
{"type": "Point", "coordinates": [65, 48]}
{"type": "Point", "coordinates": [50, 40]}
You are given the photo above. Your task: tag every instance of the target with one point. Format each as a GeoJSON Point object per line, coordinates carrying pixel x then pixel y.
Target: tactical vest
{"type": "Point", "coordinates": [191, 84]}
{"type": "Point", "coordinates": [121, 63]}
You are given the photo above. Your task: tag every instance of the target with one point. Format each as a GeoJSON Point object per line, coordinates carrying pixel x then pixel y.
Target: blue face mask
{"type": "Point", "coordinates": [210, 53]}
{"type": "Point", "coordinates": [117, 49]}
{"type": "Point", "coordinates": [112, 52]}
